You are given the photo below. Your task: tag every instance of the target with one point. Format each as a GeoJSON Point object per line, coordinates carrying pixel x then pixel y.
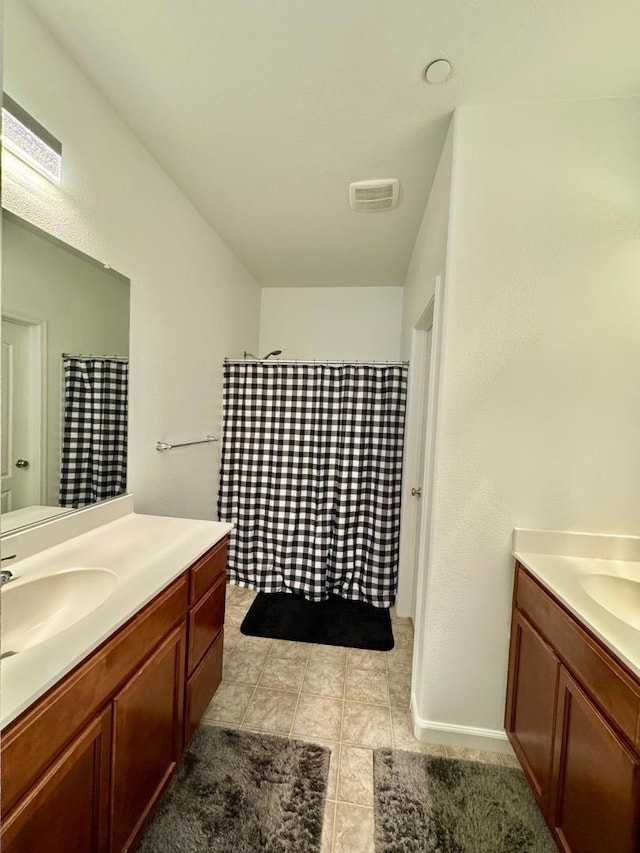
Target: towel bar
{"type": "Point", "coordinates": [163, 446]}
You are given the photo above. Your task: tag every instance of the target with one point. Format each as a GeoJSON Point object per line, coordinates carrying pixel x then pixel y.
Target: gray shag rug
{"type": "Point", "coordinates": [241, 792]}
{"type": "Point", "coordinates": [424, 804]}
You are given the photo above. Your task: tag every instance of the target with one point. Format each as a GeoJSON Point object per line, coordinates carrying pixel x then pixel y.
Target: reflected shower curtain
{"type": "Point", "coordinates": [94, 442]}
{"type": "Point", "coordinates": [310, 477]}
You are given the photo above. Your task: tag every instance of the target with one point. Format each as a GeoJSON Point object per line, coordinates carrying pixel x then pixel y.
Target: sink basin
{"type": "Point", "coordinates": [620, 596]}
{"type": "Point", "coordinates": [35, 610]}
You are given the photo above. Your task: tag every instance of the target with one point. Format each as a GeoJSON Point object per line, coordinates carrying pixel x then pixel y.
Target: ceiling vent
{"type": "Point", "coordinates": [374, 196]}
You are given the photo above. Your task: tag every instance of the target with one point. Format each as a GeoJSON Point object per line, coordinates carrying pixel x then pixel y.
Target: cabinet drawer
{"type": "Point", "coordinates": [32, 742]}
{"type": "Point", "coordinates": [585, 658]}
{"type": "Point", "coordinates": [205, 621]}
{"type": "Point", "coordinates": [206, 571]}
{"type": "Point", "coordinates": [201, 687]}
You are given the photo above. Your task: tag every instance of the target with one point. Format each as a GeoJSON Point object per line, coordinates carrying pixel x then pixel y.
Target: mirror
{"type": "Point", "coordinates": [64, 361]}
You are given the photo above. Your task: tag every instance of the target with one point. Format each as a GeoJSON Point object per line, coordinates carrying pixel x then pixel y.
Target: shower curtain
{"type": "Point", "coordinates": [94, 442]}
{"type": "Point", "coordinates": [310, 477]}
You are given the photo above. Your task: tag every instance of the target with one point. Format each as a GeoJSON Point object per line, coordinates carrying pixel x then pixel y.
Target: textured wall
{"type": "Point", "coordinates": [192, 301]}
{"type": "Point", "coordinates": [539, 399]}
{"type": "Point", "coordinates": [361, 323]}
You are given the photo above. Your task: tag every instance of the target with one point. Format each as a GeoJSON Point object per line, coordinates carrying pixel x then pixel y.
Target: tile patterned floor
{"type": "Point", "coordinates": [351, 701]}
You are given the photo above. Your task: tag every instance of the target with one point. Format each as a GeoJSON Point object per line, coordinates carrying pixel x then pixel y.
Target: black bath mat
{"type": "Point", "coordinates": [334, 622]}
{"type": "Point", "coordinates": [241, 792]}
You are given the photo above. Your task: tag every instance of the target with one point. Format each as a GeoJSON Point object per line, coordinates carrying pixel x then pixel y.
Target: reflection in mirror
{"type": "Point", "coordinates": [65, 353]}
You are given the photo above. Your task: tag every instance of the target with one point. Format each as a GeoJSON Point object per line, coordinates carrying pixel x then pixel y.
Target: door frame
{"type": "Point", "coordinates": [37, 402]}
{"type": "Point", "coordinates": [416, 514]}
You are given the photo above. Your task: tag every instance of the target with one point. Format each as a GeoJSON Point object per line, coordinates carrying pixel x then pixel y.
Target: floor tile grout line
{"type": "Point", "coordinates": [351, 803]}
{"type": "Point", "coordinates": [319, 696]}
{"type": "Point", "coordinates": [255, 689]}
{"type": "Point", "coordinates": [339, 764]}
{"type": "Point", "coordinates": [353, 744]}
{"type": "Point", "coordinates": [339, 756]}
{"type": "Point", "coordinates": [391, 729]}
{"type": "Point", "coordinates": [333, 828]}
{"type": "Point", "coordinates": [295, 710]}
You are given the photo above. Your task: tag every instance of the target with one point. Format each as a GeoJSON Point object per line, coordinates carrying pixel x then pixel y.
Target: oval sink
{"type": "Point", "coordinates": [34, 610]}
{"type": "Point", "coordinates": [620, 596]}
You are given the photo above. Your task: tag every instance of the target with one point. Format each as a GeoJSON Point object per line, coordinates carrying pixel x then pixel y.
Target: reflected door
{"type": "Point", "coordinates": [20, 433]}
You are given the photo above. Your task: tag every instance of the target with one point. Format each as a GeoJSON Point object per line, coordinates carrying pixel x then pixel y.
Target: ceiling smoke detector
{"type": "Point", "coordinates": [374, 196]}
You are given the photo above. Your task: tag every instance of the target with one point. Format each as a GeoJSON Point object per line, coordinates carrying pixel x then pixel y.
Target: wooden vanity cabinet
{"type": "Point", "coordinates": [66, 811]}
{"type": "Point", "coordinates": [84, 767]}
{"type": "Point", "coordinates": [573, 719]}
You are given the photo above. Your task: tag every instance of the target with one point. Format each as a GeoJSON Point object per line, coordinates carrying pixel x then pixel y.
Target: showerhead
{"type": "Point", "coordinates": [273, 352]}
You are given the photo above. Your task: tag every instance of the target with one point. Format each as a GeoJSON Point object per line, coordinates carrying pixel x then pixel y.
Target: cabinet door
{"type": "Point", "coordinates": [596, 779]}
{"type": "Point", "coordinates": [147, 738]}
{"type": "Point", "coordinates": [67, 810]}
{"type": "Point", "coordinates": [531, 703]}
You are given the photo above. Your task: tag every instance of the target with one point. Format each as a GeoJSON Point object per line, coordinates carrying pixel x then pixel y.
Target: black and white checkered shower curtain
{"type": "Point", "coordinates": [94, 442]}
{"type": "Point", "coordinates": [310, 476]}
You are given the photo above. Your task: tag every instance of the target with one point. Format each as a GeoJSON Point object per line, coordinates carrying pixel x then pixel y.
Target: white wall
{"type": "Point", "coordinates": [192, 301]}
{"type": "Point", "coordinates": [539, 398]}
{"type": "Point", "coordinates": [350, 323]}
{"type": "Point", "coordinates": [85, 307]}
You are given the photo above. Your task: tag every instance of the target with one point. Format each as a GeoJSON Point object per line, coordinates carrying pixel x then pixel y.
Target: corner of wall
{"type": "Point", "coordinates": [469, 737]}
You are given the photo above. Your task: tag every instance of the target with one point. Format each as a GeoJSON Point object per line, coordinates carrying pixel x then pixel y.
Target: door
{"type": "Point", "coordinates": [419, 462]}
{"type": "Point", "coordinates": [67, 810]}
{"type": "Point", "coordinates": [596, 779]}
{"type": "Point", "coordinates": [147, 738]}
{"type": "Point", "coordinates": [421, 473]}
{"type": "Point", "coordinates": [21, 416]}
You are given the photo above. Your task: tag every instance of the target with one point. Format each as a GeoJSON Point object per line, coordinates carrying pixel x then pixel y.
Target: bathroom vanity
{"type": "Point", "coordinates": [86, 757]}
{"type": "Point", "coordinates": [573, 697]}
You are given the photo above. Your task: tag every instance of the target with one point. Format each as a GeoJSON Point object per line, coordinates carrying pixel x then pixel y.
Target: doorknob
{"type": "Point", "coordinates": [417, 493]}
{"type": "Point", "coordinates": [22, 463]}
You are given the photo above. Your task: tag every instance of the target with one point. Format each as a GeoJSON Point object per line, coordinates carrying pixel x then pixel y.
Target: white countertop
{"type": "Point", "coordinates": [561, 574]}
{"type": "Point", "coordinates": [146, 552]}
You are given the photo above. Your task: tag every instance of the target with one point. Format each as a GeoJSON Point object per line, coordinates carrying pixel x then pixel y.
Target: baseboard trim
{"type": "Point", "coordinates": [432, 731]}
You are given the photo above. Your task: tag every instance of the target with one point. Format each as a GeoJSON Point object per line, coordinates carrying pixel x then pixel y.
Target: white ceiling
{"type": "Point", "coordinates": [263, 111]}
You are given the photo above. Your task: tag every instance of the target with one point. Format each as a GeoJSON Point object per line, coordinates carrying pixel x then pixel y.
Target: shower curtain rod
{"type": "Point", "coordinates": [92, 357]}
{"type": "Point", "coordinates": [312, 361]}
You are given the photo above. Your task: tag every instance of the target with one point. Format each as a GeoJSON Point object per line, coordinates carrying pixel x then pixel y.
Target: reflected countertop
{"type": "Point", "coordinates": [29, 515]}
